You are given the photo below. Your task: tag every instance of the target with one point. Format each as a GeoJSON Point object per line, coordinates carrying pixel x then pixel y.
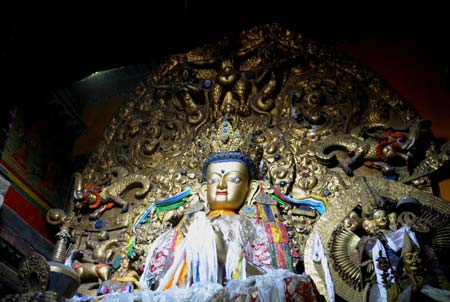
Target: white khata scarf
{"type": "Point", "coordinates": [234, 230]}
{"type": "Point", "coordinates": [385, 278]}
{"type": "Point", "coordinates": [198, 251]}
{"type": "Point", "coordinates": [319, 256]}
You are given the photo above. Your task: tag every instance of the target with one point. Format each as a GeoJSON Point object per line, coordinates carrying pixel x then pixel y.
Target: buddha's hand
{"type": "Point", "coordinates": [253, 270]}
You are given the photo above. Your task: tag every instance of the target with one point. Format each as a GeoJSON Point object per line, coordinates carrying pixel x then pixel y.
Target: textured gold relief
{"type": "Point", "coordinates": [346, 264]}
{"type": "Point", "coordinates": [123, 183]}
{"type": "Point", "coordinates": [33, 274]}
{"type": "Point", "coordinates": [316, 124]}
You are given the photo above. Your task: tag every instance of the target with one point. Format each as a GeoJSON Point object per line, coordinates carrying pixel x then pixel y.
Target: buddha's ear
{"type": "Point", "coordinates": [203, 190]}
{"type": "Point", "coordinates": [253, 187]}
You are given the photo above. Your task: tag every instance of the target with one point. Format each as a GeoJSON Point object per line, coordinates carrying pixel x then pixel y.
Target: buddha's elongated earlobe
{"type": "Point", "coordinates": [203, 192]}
{"type": "Point", "coordinates": [253, 187]}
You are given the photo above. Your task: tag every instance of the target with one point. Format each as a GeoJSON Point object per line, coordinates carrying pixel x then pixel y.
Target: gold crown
{"type": "Point", "coordinates": [227, 142]}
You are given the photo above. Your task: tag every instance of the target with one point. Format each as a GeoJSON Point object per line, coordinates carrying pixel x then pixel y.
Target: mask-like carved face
{"type": "Point", "coordinates": [227, 185]}
{"type": "Point", "coordinates": [369, 226]}
{"type": "Point", "coordinates": [380, 219]}
{"type": "Point", "coordinates": [352, 221]}
{"type": "Point", "coordinates": [412, 261]}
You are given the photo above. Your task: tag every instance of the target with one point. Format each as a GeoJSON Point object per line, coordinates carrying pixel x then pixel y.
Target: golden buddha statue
{"type": "Point", "coordinates": [223, 243]}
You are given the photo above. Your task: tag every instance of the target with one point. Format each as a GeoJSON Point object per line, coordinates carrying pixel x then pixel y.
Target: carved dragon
{"type": "Point", "coordinates": [380, 146]}
{"type": "Point", "coordinates": [102, 199]}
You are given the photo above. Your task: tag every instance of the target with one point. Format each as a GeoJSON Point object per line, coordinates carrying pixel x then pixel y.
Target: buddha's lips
{"type": "Point", "coordinates": [222, 193]}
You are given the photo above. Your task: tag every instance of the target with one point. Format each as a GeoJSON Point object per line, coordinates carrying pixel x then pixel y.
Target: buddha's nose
{"type": "Point", "coordinates": [222, 183]}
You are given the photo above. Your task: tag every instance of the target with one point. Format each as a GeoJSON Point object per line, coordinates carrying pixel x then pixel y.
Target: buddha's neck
{"type": "Point", "coordinates": [215, 213]}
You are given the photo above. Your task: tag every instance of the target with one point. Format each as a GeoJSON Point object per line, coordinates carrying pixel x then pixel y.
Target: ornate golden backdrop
{"type": "Point", "coordinates": [325, 127]}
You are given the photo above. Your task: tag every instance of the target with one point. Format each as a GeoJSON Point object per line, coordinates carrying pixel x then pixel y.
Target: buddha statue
{"type": "Point", "coordinates": [231, 246]}
{"type": "Point", "coordinates": [227, 239]}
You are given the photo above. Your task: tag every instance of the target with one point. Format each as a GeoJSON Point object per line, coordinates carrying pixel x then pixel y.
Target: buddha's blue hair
{"type": "Point", "coordinates": [230, 156]}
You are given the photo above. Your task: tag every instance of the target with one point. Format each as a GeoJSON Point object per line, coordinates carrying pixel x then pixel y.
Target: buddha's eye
{"type": "Point", "coordinates": [212, 180]}
{"type": "Point", "coordinates": [234, 179]}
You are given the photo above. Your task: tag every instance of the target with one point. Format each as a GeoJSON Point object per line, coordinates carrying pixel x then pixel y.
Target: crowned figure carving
{"type": "Point", "coordinates": [262, 168]}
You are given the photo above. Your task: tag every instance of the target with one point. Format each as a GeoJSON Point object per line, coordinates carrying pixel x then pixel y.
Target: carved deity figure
{"type": "Point", "coordinates": [222, 243]}
{"type": "Point", "coordinates": [124, 279]}
{"type": "Point", "coordinates": [412, 262]}
{"type": "Point", "coordinates": [352, 221]}
{"type": "Point", "coordinates": [231, 246]}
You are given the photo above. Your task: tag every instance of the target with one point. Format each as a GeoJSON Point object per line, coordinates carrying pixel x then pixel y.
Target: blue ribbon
{"type": "Point", "coordinates": [167, 201]}
{"type": "Point", "coordinates": [315, 203]}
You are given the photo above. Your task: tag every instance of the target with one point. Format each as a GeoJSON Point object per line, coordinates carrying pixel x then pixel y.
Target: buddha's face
{"type": "Point", "coordinates": [412, 261]}
{"type": "Point", "coordinates": [380, 219]}
{"type": "Point", "coordinates": [227, 185]}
